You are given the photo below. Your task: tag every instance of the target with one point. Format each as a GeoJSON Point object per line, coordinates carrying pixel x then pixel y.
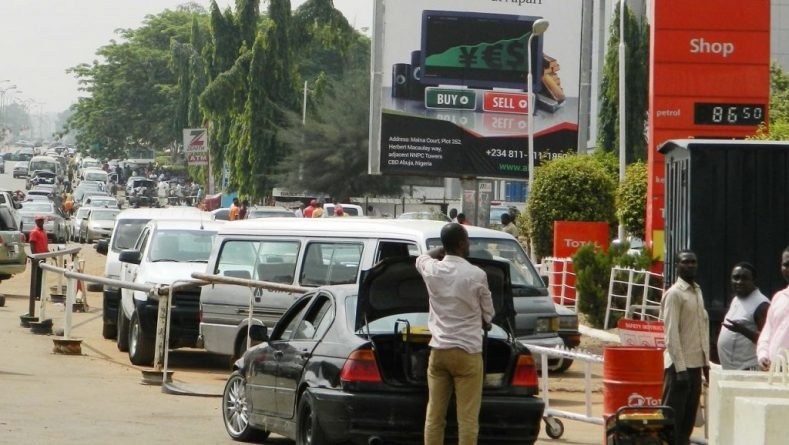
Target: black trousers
{"type": "Point", "coordinates": [683, 399]}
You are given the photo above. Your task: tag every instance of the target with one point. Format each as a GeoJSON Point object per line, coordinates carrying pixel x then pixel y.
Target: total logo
{"type": "Point", "coordinates": [701, 46]}
{"type": "Point", "coordinates": [575, 244]}
{"type": "Point", "coordinates": [637, 399]}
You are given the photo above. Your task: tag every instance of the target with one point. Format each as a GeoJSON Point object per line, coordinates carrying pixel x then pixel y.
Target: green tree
{"type": "Point", "coordinates": [570, 188]}
{"type": "Point", "coordinates": [330, 152]}
{"type": "Point", "coordinates": [131, 90]}
{"type": "Point", "coordinates": [637, 72]}
{"type": "Point", "coordinates": [631, 199]}
{"type": "Point", "coordinates": [778, 130]}
{"type": "Point", "coordinates": [247, 16]}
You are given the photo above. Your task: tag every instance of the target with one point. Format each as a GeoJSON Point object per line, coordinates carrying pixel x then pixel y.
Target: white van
{"type": "Point", "coordinates": [316, 252]}
{"type": "Point", "coordinates": [128, 225]}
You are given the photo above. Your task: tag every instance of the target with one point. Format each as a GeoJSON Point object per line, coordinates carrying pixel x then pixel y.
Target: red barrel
{"type": "Point", "coordinates": [632, 376]}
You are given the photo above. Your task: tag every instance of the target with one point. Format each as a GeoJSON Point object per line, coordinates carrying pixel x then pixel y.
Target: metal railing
{"type": "Point", "coordinates": [635, 288]}
{"type": "Point", "coordinates": [561, 280]}
{"type": "Point", "coordinates": [553, 425]}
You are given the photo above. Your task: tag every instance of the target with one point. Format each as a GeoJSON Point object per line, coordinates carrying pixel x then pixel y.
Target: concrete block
{"type": "Point", "coordinates": [721, 405]}
{"type": "Point", "coordinates": [761, 420]}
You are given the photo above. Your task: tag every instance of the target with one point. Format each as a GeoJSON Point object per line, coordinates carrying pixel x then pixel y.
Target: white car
{"type": "Point", "coordinates": [128, 226]}
{"type": "Point", "coordinates": [165, 252]}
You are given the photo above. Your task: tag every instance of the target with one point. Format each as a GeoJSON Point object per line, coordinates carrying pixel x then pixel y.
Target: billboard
{"type": "Point", "coordinates": [710, 79]}
{"type": "Point", "coordinates": [449, 88]}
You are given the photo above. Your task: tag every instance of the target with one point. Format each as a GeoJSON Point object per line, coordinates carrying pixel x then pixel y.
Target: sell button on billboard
{"type": "Point", "coordinates": [450, 99]}
{"type": "Point", "coordinates": [499, 102]}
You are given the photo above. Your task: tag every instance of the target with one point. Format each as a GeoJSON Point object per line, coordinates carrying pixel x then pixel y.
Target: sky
{"type": "Point", "coordinates": [41, 39]}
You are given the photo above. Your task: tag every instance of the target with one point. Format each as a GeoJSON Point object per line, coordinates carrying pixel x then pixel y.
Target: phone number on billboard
{"type": "Point", "coordinates": [510, 154]}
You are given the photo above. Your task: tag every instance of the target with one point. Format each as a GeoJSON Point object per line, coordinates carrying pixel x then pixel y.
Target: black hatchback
{"type": "Point", "coordinates": [349, 365]}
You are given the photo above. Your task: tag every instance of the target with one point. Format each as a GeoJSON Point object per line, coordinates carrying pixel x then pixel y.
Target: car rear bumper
{"type": "Point", "coordinates": [400, 417]}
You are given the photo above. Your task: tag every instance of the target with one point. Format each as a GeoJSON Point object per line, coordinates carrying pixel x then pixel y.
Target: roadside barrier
{"type": "Point", "coordinates": [554, 427]}
{"type": "Point", "coordinates": [39, 291]}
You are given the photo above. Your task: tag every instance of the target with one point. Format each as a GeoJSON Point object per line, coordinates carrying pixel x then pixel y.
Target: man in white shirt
{"type": "Point", "coordinates": [460, 306]}
{"type": "Point", "coordinates": [687, 345]}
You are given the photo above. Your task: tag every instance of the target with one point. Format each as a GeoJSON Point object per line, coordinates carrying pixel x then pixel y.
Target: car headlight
{"type": "Point", "coordinates": [547, 324]}
{"type": "Point", "coordinates": [568, 322]}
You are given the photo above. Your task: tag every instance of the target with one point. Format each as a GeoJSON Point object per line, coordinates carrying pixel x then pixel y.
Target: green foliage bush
{"type": "Point", "coordinates": [631, 199]}
{"type": "Point", "coordinates": [569, 188]}
{"type": "Point", "coordinates": [592, 267]}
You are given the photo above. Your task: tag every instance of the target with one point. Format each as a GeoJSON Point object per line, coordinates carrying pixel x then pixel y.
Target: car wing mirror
{"type": "Point", "coordinates": [102, 246]}
{"type": "Point", "coordinates": [259, 333]}
{"type": "Point", "coordinates": [130, 256]}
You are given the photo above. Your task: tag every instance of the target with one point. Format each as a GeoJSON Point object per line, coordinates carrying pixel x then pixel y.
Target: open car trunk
{"type": "Point", "coordinates": [392, 307]}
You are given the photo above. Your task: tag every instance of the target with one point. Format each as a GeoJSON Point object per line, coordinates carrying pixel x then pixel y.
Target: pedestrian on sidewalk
{"type": "Point", "coordinates": [38, 236]}
{"type": "Point", "coordinates": [686, 356]}
{"type": "Point", "coordinates": [744, 320]}
{"type": "Point", "coordinates": [460, 305]}
{"type": "Point", "coordinates": [774, 338]}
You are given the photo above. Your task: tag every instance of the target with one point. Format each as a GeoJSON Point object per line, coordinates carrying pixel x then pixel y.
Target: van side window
{"type": "Point", "coordinates": [276, 261]}
{"type": "Point", "coordinates": [330, 263]}
{"type": "Point", "coordinates": [393, 249]}
{"type": "Point", "coordinates": [236, 259]}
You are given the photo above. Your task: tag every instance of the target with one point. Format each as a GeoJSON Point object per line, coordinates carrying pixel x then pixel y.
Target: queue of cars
{"type": "Point", "coordinates": [357, 339]}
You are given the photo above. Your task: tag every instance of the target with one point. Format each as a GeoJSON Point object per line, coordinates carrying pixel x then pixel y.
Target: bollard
{"type": "Point", "coordinates": [35, 284]}
{"type": "Point", "coordinates": [44, 325]}
{"type": "Point", "coordinates": [67, 345]}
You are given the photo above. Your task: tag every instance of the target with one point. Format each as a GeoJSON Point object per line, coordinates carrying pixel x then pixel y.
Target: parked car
{"type": "Point", "coordinates": [13, 258]}
{"type": "Point", "coordinates": [269, 212]}
{"type": "Point", "coordinates": [222, 214]}
{"type": "Point", "coordinates": [76, 222]}
{"type": "Point", "coordinates": [434, 216]}
{"type": "Point", "coordinates": [348, 364]}
{"type": "Point", "coordinates": [99, 200]}
{"type": "Point", "coordinates": [7, 199]}
{"type": "Point", "coordinates": [166, 251]}
{"type": "Point", "coordinates": [316, 252]}
{"type": "Point", "coordinates": [128, 225]}
{"type": "Point", "coordinates": [97, 224]}
{"type": "Point", "coordinates": [20, 169]}
{"type": "Point", "coordinates": [41, 177]}
{"type": "Point", "coordinates": [348, 209]}
{"type": "Point", "coordinates": [93, 175]}
{"type": "Point", "coordinates": [55, 223]}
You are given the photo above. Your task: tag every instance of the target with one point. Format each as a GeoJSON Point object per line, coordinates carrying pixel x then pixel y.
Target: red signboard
{"type": "Point", "coordinates": [500, 102]}
{"type": "Point", "coordinates": [709, 78]}
{"type": "Point", "coordinates": [568, 236]}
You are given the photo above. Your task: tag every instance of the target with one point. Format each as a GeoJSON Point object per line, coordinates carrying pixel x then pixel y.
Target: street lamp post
{"type": "Point", "coordinates": [622, 107]}
{"type": "Point", "coordinates": [539, 27]}
{"type": "Point", "coordinates": [2, 108]}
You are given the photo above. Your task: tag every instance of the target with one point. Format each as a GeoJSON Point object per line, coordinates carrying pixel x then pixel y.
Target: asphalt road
{"type": "Point", "coordinates": [98, 398]}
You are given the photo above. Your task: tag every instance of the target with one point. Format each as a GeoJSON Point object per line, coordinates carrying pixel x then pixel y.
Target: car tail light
{"type": "Point", "coordinates": [525, 372]}
{"type": "Point", "coordinates": [1, 241]}
{"type": "Point", "coordinates": [361, 366]}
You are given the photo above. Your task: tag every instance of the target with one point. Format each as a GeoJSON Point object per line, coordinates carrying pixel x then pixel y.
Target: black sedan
{"type": "Point", "coordinates": [338, 368]}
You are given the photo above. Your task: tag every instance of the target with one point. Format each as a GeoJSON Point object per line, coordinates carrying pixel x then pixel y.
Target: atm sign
{"type": "Point", "coordinates": [498, 102]}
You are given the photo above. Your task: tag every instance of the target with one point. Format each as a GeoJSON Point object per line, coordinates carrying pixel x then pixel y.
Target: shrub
{"type": "Point", "coordinates": [570, 188]}
{"type": "Point", "coordinates": [592, 268]}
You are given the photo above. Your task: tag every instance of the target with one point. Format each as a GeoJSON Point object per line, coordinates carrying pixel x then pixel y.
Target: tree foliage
{"type": "Point", "coordinates": [570, 188]}
{"type": "Point", "coordinates": [778, 130]}
{"type": "Point", "coordinates": [333, 154]}
{"type": "Point", "coordinates": [132, 92]}
{"type": "Point", "coordinates": [637, 97]}
{"type": "Point", "coordinates": [631, 199]}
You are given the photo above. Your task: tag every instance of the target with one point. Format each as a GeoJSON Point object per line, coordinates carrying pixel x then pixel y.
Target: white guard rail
{"type": "Point", "coordinates": [554, 427]}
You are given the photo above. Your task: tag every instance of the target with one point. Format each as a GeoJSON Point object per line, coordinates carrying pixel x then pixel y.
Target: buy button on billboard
{"type": "Point", "coordinates": [498, 102]}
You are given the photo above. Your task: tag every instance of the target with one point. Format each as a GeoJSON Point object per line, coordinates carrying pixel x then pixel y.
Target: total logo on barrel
{"type": "Point", "coordinates": [636, 399]}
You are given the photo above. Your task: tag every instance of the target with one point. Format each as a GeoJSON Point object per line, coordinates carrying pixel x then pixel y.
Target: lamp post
{"type": "Point", "coordinates": [622, 107]}
{"type": "Point", "coordinates": [538, 27]}
{"type": "Point", "coordinates": [2, 105]}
